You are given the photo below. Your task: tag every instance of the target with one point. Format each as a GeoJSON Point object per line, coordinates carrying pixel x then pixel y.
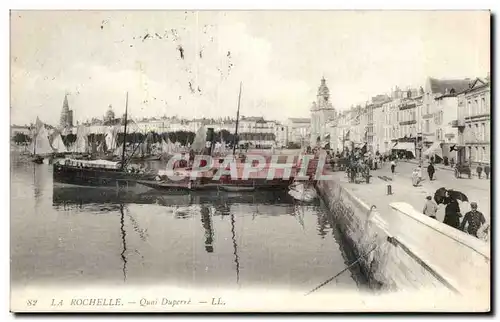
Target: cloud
{"type": "Point", "coordinates": [279, 57]}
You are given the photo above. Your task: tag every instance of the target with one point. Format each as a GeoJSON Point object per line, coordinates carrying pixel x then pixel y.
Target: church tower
{"type": "Point", "coordinates": [321, 112]}
{"type": "Point", "coordinates": [66, 119]}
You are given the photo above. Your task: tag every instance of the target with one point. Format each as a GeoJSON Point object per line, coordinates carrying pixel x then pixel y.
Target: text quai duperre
{"type": "Point", "coordinates": [144, 302]}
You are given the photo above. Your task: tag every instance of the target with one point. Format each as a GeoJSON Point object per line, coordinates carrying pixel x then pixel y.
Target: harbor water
{"type": "Point", "coordinates": [74, 236]}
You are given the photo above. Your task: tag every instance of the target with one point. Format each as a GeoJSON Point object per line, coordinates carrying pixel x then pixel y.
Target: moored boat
{"type": "Point", "coordinates": [40, 144]}
{"type": "Point", "coordinates": [303, 192]}
{"type": "Point", "coordinates": [100, 173]}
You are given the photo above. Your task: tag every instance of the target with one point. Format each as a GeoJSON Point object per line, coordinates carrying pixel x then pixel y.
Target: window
{"type": "Point", "coordinates": [483, 132]}
{"type": "Point", "coordinates": [476, 132]}
{"type": "Point", "coordinates": [427, 126]}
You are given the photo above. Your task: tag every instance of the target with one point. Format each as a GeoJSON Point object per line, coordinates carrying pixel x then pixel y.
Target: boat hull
{"type": "Point", "coordinates": [91, 177]}
{"type": "Point", "coordinates": [208, 184]}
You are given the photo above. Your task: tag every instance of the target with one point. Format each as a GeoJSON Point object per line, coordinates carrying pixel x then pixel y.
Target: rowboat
{"type": "Point", "coordinates": [303, 192]}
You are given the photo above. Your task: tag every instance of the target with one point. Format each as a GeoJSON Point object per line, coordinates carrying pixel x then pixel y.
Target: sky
{"type": "Point", "coordinates": [278, 57]}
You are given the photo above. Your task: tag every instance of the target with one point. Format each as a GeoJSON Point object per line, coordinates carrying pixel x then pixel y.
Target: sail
{"type": "Point", "coordinates": [81, 144]}
{"type": "Point", "coordinates": [111, 138]}
{"type": "Point", "coordinates": [58, 144]}
{"type": "Point", "coordinates": [172, 148]}
{"type": "Point", "coordinates": [42, 144]}
{"type": "Point", "coordinates": [165, 147]}
{"type": "Point", "coordinates": [200, 140]}
{"type": "Point", "coordinates": [222, 147]}
{"type": "Point", "coordinates": [143, 148]}
{"type": "Point", "coordinates": [38, 125]}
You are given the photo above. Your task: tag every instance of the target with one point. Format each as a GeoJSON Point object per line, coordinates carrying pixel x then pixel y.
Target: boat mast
{"type": "Point", "coordinates": [34, 143]}
{"type": "Point", "coordinates": [125, 133]}
{"type": "Point", "coordinates": [237, 121]}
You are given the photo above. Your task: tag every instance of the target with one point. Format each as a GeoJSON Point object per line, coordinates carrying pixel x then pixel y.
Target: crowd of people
{"type": "Point", "coordinates": [472, 222]}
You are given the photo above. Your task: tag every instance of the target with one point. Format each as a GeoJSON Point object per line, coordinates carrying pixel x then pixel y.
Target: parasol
{"type": "Point", "coordinates": [441, 195]}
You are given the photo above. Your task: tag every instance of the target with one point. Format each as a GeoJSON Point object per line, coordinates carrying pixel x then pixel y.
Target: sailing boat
{"type": "Point", "coordinates": [99, 173]}
{"type": "Point", "coordinates": [40, 144]}
{"type": "Point", "coordinates": [58, 144]}
{"type": "Point", "coordinates": [207, 181]}
{"type": "Point", "coordinates": [81, 146]}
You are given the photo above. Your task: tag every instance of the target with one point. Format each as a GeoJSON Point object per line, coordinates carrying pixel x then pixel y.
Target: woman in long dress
{"type": "Point", "coordinates": [452, 213]}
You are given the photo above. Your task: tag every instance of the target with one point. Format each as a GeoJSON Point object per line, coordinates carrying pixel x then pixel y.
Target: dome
{"type": "Point", "coordinates": [110, 115]}
{"type": "Point", "coordinates": [323, 89]}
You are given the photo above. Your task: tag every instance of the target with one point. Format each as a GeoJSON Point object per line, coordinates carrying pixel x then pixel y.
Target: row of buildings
{"type": "Point", "coordinates": [444, 117]}
{"type": "Point", "coordinates": [254, 130]}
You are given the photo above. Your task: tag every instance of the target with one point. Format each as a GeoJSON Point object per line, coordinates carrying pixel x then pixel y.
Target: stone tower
{"type": "Point", "coordinates": [66, 119]}
{"type": "Point", "coordinates": [321, 112]}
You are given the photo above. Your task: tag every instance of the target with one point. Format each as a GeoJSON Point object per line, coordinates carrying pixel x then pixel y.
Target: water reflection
{"type": "Point", "coordinates": [206, 220]}
{"type": "Point", "coordinates": [103, 230]}
{"type": "Point", "coordinates": [322, 222]}
{"type": "Point", "coordinates": [39, 174]}
{"type": "Point", "coordinates": [123, 234]}
{"type": "Point", "coordinates": [73, 197]}
{"type": "Point", "coordinates": [235, 250]}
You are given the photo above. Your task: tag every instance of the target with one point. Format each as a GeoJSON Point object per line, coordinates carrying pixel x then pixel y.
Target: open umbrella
{"type": "Point", "coordinates": [441, 195]}
{"type": "Point", "coordinates": [457, 195]}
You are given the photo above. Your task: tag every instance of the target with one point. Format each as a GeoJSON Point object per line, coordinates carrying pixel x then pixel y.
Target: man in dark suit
{"type": "Point", "coordinates": [474, 219]}
{"type": "Point", "coordinates": [430, 171]}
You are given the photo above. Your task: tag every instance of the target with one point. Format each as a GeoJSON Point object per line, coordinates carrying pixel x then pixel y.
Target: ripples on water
{"type": "Point", "coordinates": [62, 235]}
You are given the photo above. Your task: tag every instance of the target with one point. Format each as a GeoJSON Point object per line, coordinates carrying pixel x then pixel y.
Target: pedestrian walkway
{"type": "Point", "coordinates": [447, 168]}
{"type": "Point", "coordinates": [375, 193]}
{"type": "Point", "coordinates": [425, 163]}
{"type": "Point", "coordinates": [478, 190]}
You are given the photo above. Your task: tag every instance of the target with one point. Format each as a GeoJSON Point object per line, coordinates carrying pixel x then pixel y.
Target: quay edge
{"type": "Point", "coordinates": [410, 250]}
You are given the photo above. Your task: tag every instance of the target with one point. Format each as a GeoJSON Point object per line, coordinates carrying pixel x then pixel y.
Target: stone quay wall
{"type": "Point", "coordinates": [402, 249]}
